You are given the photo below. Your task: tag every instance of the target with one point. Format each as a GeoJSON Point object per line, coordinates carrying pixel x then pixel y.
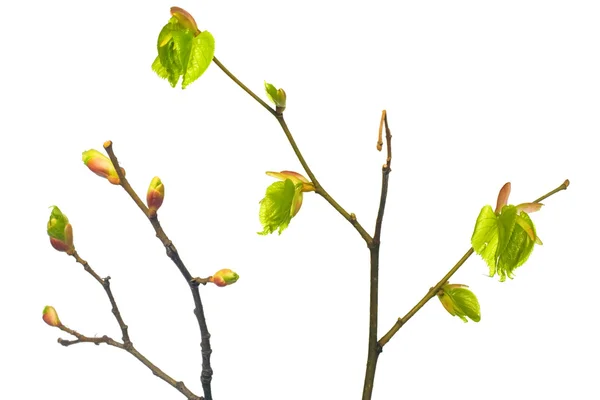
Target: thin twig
{"type": "Point", "coordinates": [433, 291]}
{"type": "Point", "coordinates": [173, 254]}
{"type": "Point", "coordinates": [244, 87]}
{"type": "Point", "coordinates": [318, 188]}
{"type": "Point", "coordinates": [385, 173]}
{"type": "Point", "coordinates": [374, 349]}
{"type": "Point", "coordinates": [105, 282]}
{"type": "Point", "coordinates": [180, 386]}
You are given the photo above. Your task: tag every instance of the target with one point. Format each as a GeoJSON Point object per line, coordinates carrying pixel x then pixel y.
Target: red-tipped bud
{"type": "Point", "coordinates": [50, 316]}
{"type": "Point", "coordinates": [101, 165]}
{"type": "Point", "coordinates": [224, 277]}
{"type": "Point", "coordinates": [155, 195]}
{"type": "Point", "coordinates": [60, 231]}
{"type": "Point", "coordinates": [503, 197]}
{"type": "Point", "coordinates": [185, 19]}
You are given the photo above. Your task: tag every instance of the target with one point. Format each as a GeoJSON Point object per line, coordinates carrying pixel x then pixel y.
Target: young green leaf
{"type": "Point", "coordinates": [276, 208]}
{"type": "Point", "coordinates": [203, 51]}
{"type": "Point", "coordinates": [460, 301]}
{"type": "Point", "coordinates": [504, 240]}
{"type": "Point", "coordinates": [283, 200]}
{"type": "Point", "coordinates": [182, 52]}
{"type": "Point", "coordinates": [276, 96]}
{"type": "Point", "coordinates": [271, 92]}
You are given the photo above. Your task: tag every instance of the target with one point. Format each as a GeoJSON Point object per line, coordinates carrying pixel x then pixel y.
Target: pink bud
{"type": "Point", "coordinates": [185, 19]}
{"type": "Point", "coordinates": [101, 165]}
{"type": "Point", "coordinates": [155, 195]}
{"type": "Point", "coordinates": [60, 231]}
{"type": "Point", "coordinates": [50, 316]}
{"type": "Point", "coordinates": [503, 197]}
{"type": "Point", "coordinates": [224, 277]}
{"type": "Point", "coordinates": [295, 177]}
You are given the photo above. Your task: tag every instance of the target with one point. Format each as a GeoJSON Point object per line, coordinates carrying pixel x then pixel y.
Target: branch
{"type": "Point", "coordinates": [385, 173]}
{"type": "Point", "coordinates": [106, 285]}
{"type": "Point", "coordinates": [318, 188]}
{"type": "Point", "coordinates": [172, 253]}
{"type": "Point", "coordinates": [433, 291]}
{"type": "Point", "coordinates": [374, 349]}
{"type": "Point", "coordinates": [180, 386]}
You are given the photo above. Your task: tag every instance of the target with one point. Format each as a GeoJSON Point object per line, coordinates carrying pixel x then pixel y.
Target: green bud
{"type": "Point", "coordinates": [60, 231]}
{"type": "Point", "coordinates": [276, 96]}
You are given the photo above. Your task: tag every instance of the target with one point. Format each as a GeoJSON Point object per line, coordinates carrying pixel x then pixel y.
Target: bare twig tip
{"type": "Point", "coordinates": [107, 144]}
{"type": "Point", "coordinates": [566, 183]}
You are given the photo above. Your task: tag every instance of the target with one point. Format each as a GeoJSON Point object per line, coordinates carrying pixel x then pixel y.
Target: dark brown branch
{"type": "Point", "coordinates": [106, 285]}
{"type": "Point", "coordinates": [180, 386]}
{"type": "Point", "coordinates": [206, 375]}
{"type": "Point", "coordinates": [374, 349]}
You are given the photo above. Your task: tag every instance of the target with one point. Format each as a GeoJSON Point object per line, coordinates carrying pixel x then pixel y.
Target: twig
{"type": "Point", "coordinates": [318, 188]}
{"type": "Point", "coordinates": [207, 372]}
{"type": "Point", "coordinates": [433, 291]}
{"type": "Point", "coordinates": [106, 285]}
{"type": "Point", "coordinates": [374, 349]}
{"type": "Point", "coordinates": [180, 386]}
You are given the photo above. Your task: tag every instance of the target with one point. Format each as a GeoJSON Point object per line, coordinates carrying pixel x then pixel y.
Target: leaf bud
{"type": "Point", "coordinates": [224, 277]}
{"type": "Point", "coordinates": [60, 231]}
{"type": "Point", "coordinates": [101, 165]}
{"type": "Point", "coordinates": [50, 316]}
{"type": "Point", "coordinates": [155, 195]}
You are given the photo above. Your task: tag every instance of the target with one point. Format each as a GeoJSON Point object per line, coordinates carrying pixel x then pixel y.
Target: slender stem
{"type": "Point", "coordinates": [244, 87]}
{"type": "Point", "coordinates": [318, 188]}
{"type": "Point", "coordinates": [430, 294]}
{"type": "Point", "coordinates": [433, 291]}
{"type": "Point", "coordinates": [385, 174]}
{"type": "Point", "coordinates": [173, 254]}
{"type": "Point", "coordinates": [180, 386]}
{"type": "Point", "coordinates": [374, 349]}
{"type": "Point", "coordinates": [106, 285]}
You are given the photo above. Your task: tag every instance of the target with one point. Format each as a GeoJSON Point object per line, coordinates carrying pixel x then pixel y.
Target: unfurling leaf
{"type": "Point", "coordinates": [276, 96]}
{"type": "Point", "coordinates": [276, 207]}
{"type": "Point", "coordinates": [505, 238]}
{"type": "Point", "coordinates": [203, 51]}
{"type": "Point", "coordinates": [183, 51]}
{"type": "Point", "coordinates": [458, 300]}
{"type": "Point", "coordinates": [282, 200]}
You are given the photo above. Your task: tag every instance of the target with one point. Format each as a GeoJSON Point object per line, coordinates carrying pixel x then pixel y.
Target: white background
{"type": "Point", "coordinates": [478, 93]}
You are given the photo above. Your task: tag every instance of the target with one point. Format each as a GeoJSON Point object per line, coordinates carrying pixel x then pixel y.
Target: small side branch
{"type": "Point", "coordinates": [318, 188]}
{"type": "Point", "coordinates": [433, 291]}
{"type": "Point", "coordinates": [105, 282]}
{"type": "Point", "coordinates": [180, 386]}
{"type": "Point", "coordinates": [173, 254]}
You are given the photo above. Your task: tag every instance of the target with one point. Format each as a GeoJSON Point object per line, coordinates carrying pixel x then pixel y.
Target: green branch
{"type": "Point", "coordinates": [433, 291]}
{"type": "Point", "coordinates": [318, 187]}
